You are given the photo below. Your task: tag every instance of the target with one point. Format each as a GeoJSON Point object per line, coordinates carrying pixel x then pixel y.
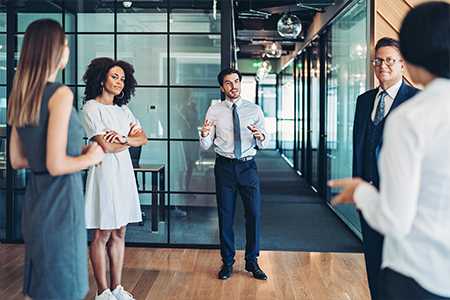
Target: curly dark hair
{"type": "Point", "coordinates": [96, 74]}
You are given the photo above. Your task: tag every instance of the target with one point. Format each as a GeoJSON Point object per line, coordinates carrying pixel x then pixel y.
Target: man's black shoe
{"type": "Point", "coordinates": [225, 271]}
{"type": "Point", "coordinates": [253, 267]}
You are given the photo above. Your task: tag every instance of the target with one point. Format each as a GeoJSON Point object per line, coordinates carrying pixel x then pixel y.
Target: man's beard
{"type": "Point", "coordinates": [234, 96]}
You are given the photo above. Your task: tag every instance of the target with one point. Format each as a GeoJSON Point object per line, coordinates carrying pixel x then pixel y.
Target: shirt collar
{"type": "Point", "coordinates": [230, 104]}
{"type": "Point", "coordinates": [393, 90]}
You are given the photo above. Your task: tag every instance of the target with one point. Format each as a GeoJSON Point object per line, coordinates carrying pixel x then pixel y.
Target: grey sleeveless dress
{"type": "Point", "coordinates": [53, 219]}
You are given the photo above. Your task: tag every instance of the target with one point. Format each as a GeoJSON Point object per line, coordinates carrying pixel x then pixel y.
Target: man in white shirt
{"type": "Point", "coordinates": [235, 126]}
{"type": "Point", "coordinates": [372, 108]}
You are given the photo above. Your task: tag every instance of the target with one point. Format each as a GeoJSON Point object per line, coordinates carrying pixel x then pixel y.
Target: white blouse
{"type": "Point", "coordinates": [412, 208]}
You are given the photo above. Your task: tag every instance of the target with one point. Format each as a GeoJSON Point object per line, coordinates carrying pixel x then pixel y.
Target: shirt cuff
{"type": "Point", "coordinates": [363, 192]}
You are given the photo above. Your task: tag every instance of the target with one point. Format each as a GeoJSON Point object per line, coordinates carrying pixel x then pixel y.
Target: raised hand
{"type": "Point", "coordinates": [206, 128]}
{"type": "Point", "coordinates": [256, 132]}
{"type": "Point", "coordinates": [346, 195]}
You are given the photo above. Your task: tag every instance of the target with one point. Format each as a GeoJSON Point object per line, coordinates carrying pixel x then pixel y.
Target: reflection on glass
{"type": "Point", "coordinates": [154, 154]}
{"type": "Point", "coordinates": [149, 106]}
{"type": "Point", "coordinates": [3, 111]}
{"type": "Point", "coordinates": [201, 226]}
{"type": "Point", "coordinates": [142, 21]}
{"type": "Point", "coordinates": [286, 113]}
{"type": "Point", "coordinates": [267, 101]}
{"type": "Point", "coordinates": [71, 67]}
{"type": "Point", "coordinates": [193, 105]}
{"type": "Point", "coordinates": [24, 19]}
{"type": "Point", "coordinates": [147, 54]}
{"type": "Point", "coordinates": [95, 22]}
{"type": "Point", "coordinates": [194, 21]}
{"type": "Point", "coordinates": [315, 113]}
{"type": "Point", "coordinates": [193, 173]}
{"type": "Point", "coordinates": [3, 58]}
{"type": "Point", "coordinates": [93, 46]}
{"type": "Point", "coordinates": [18, 204]}
{"type": "Point", "coordinates": [300, 114]}
{"type": "Point", "coordinates": [3, 25]}
{"type": "Point", "coordinates": [345, 81]}
{"type": "Point", "coordinates": [194, 59]}
{"type": "Point", "coordinates": [70, 23]}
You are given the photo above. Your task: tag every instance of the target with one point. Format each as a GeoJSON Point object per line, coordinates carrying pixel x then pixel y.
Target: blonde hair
{"type": "Point", "coordinates": [41, 53]}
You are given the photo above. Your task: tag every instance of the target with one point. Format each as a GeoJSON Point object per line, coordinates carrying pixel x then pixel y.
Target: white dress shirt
{"type": "Point", "coordinates": [221, 135]}
{"type": "Point", "coordinates": [412, 208]}
{"type": "Point", "coordinates": [388, 99]}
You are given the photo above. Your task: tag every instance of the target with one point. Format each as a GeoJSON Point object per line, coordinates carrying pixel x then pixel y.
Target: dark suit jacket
{"type": "Point", "coordinates": [364, 107]}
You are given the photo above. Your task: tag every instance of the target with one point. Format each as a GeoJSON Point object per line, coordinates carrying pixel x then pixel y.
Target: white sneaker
{"type": "Point", "coordinates": [106, 295]}
{"type": "Point", "coordinates": [121, 294]}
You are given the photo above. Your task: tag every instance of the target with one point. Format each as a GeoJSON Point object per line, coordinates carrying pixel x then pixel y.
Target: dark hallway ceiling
{"type": "Point", "coordinates": [254, 30]}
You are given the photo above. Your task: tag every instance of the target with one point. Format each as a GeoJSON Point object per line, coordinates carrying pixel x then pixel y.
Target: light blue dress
{"type": "Point", "coordinates": [111, 197]}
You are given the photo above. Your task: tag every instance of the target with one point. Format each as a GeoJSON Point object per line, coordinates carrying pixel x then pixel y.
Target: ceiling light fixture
{"type": "Point", "coordinates": [273, 50]}
{"type": "Point", "coordinates": [289, 26]}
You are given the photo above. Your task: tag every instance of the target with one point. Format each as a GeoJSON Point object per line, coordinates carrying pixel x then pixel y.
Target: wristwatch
{"type": "Point", "coordinates": [126, 142]}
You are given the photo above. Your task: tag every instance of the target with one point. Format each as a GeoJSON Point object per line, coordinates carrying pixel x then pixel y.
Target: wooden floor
{"type": "Point", "coordinates": [160, 274]}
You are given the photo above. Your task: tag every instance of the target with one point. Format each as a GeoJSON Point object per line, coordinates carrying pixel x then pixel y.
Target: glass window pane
{"type": "Point", "coordinates": [93, 46]}
{"type": "Point", "coordinates": [149, 106]}
{"type": "Point", "coordinates": [71, 67]}
{"type": "Point", "coordinates": [95, 22]}
{"type": "Point", "coordinates": [148, 55]}
{"type": "Point", "coordinates": [19, 197]}
{"type": "Point", "coordinates": [2, 58]}
{"type": "Point", "coordinates": [70, 23]}
{"type": "Point", "coordinates": [145, 20]}
{"type": "Point", "coordinates": [194, 21]}
{"type": "Point", "coordinates": [2, 111]}
{"type": "Point", "coordinates": [3, 23]}
{"type": "Point", "coordinates": [24, 19]}
{"type": "Point", "coordinates": [191, 168]}
{"type": "Point", "coordinates": [154, 153]}
{"type": "Point", "coordinates": [201, 218]}
{"type": "Point", "coordinates": [188, 109]}
{"type": "Point", "coordinates": [346, 79]}
{"type": "Point", "coordinates": [194, 59]}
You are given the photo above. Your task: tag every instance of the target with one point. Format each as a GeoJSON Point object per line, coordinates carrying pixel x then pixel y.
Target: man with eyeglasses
{"type": "Point", "coordinates": [372, 108]}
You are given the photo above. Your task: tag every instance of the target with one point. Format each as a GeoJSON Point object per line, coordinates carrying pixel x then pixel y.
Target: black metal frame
{"type": "Point", "coordinates": [228, 59]}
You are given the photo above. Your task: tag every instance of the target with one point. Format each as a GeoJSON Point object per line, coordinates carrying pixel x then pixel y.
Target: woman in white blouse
{"type": "Point", "coordinates": [412, 207]}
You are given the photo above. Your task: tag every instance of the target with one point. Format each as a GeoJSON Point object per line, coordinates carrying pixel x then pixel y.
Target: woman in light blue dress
{"type": "Point", "coordinates": [47, 138]}
{"type": "Point", "coordinates": [112, 199]}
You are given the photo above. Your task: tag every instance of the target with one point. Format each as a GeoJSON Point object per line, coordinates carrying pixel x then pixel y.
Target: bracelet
{"type": "Point", "coordinates": [126, 142]}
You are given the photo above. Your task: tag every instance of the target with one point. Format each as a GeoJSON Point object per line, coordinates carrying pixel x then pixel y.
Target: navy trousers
{"type": "Point", "coordinates": [230, 178]}
{"type": "Point", "coordinates": [399, 287]}
{"type": "Point", "coordinates": [373, 248]}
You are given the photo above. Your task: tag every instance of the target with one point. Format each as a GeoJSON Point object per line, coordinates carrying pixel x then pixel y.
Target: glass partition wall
{"type": "Point", "coordinates": [330, 74]}
{"type": "Point", "coordinates": [3, 140]}
{"type": "Point", "coordinates": [175, 48]}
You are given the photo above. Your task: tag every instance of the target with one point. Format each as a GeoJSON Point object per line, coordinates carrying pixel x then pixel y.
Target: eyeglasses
{"type": "Point", "coordinates": [388, 61]}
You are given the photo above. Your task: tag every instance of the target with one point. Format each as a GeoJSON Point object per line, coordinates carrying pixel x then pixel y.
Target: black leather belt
{"type": "Point", "coordinates": [235, 160]}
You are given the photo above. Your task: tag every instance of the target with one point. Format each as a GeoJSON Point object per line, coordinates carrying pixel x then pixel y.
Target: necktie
{"type": "Point", "coordinates": [236, 132]}
{"type": "Point", "coordinates": [379, 114]}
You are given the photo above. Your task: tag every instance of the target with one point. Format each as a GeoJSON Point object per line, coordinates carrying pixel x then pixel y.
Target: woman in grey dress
{"type": "Point", "coordinates": [45, 125]}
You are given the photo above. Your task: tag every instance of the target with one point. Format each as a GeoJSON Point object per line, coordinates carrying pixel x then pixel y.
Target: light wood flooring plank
{"type": "Point", "coordinates": [178, 274]}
